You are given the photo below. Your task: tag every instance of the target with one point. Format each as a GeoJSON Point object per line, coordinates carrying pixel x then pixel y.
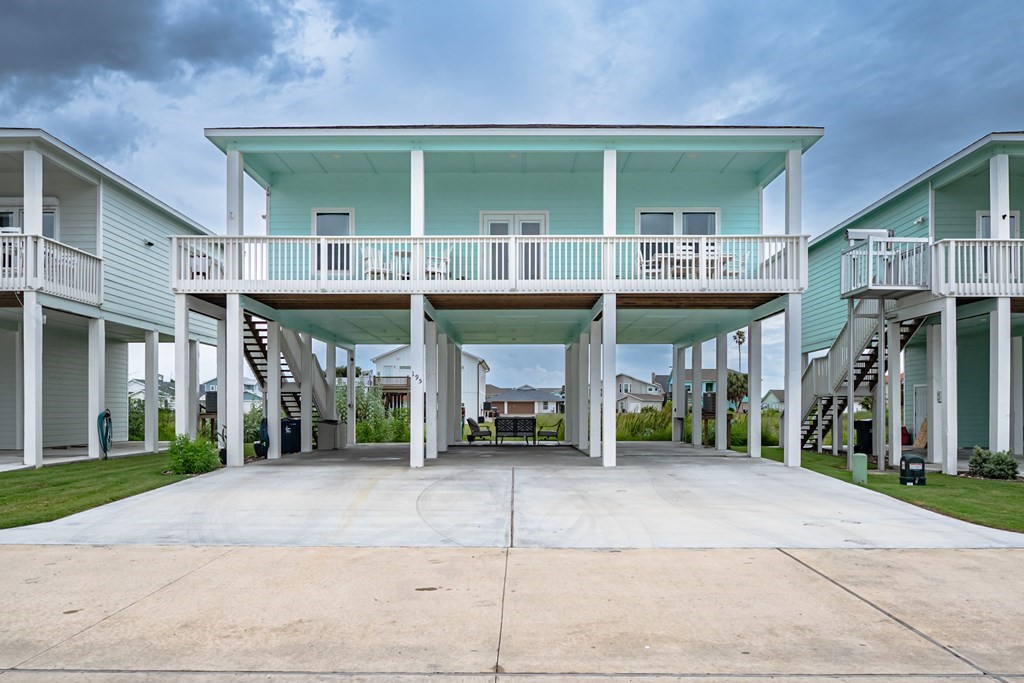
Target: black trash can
{"type": "Point", "coordinates": [912, 471]}
{"type": "Point", "coordinates": [291, 435]}
{"type": "Point", "coordinates": [865, 436]}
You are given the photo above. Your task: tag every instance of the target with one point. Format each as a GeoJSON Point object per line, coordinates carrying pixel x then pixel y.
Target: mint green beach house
{"type": "Point", "coordinates": [438, 236]}
{"type": "Point", "coordinates": [927, 283]}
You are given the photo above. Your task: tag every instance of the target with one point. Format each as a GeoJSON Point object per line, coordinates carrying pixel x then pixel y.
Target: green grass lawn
{"type": "Point", "coordinates": [33, 496]}
{"type": "Point", "coordinates": [997, 504]}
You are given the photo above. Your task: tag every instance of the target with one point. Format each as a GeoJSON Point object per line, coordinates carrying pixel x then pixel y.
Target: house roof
{"type": "Point", "coordinates": [637, 379]}
{"type": "Point", "coordinates": [62, 148]}
{"type": "Point", "coordinates": [1008, 136]}
{"type": "Point", "coordinates": [646, 398]}
{"type": "Point", "coordinates": [778, 393]}
{"type": "Point", "coordinates": [707, 374]}
{"type": "Point", "coordinates": [524, 393]}
{"type": "Point", "coordinates": [662, 381]}
{"type": "Point", "coordinates": [405, 346]}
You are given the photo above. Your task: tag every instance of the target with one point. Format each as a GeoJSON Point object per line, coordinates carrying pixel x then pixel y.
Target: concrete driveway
{"type": "Point", "coordinates": [542, 497]}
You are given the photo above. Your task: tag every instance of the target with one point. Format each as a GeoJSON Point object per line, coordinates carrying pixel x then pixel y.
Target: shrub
{"type": "Point", "coordinates": [999, 465]}
{"type": "Point", "coordinates": [193, 456]}
{"type": "Point", "coordinates": [251, 422]}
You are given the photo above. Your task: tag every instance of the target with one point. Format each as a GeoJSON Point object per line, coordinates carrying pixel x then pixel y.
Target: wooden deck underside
{"type": "Point", "coordinates": [382, 302]}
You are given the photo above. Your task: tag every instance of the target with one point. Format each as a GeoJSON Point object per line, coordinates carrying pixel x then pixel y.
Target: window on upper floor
{"type": "Point", "coordinates": [625, 387]}
{"type": "Point", "coordinates": [334, 223]}
{"type": "Point", "coordinates": [12, 216]}
{"type": "Point", "coordinates": [984, 225]}
{"type": "Point", "coordinates": [677, 221]}
{"type": "Point", "coordinates": [709, 386]}
{"type": "Point", "coordinates": [652, 390]}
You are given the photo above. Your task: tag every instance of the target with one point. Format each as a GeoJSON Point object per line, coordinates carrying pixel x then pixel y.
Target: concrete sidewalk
{"type": "Point", "coordinates": [135, 613]}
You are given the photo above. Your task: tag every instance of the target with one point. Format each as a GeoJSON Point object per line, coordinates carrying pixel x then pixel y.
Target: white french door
{"type": "Point", "coordinates": [530, 258]}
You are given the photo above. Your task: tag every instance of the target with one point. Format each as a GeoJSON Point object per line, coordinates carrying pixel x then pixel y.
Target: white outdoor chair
{"type": "Point", "coordinates": [437, 267]}
{"type": "Point", "coordinates": [375, 266]}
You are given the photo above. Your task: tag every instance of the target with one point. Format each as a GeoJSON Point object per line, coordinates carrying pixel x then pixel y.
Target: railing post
{"type": "Point", "coordinates": [324, 260]}
{"type": "Point", "coordinates": [513, 262]}
{"type": "Point", "coordinates": [175, 263]}
{"type": "Point", "coordinates": [702, 262]}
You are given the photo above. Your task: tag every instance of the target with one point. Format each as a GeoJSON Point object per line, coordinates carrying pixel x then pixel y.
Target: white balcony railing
{"type": "Point", "coordinates": [30, 262]}
{"type": "Point", "coordinates": [979, 267]}
{"type": "Point", "coordinates": [484, 264]}
{"type": "Point", "coordinates": [886, 266]}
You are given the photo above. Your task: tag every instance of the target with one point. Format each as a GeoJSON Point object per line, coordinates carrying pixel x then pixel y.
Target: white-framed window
{"type": "Point", "coordinates": [532, 257]}
{"type": "Point", "coordinates": [983, 225]}
{"type": "Point", "coordinates": [678, 221]}
{"type": "Point", "coordinates": [709, 387]}
{"type": "Point", "coordinates": [12, 216]}
{"type": "Point", "coordinates": [652, 390]}
{"type": "Point", "coordinates": [625, 387]}
{"type": "Point", "coordinates": [334, 222]}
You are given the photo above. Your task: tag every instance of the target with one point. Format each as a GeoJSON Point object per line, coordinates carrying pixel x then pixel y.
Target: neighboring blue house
{"type": "Point", "coordinates": [936, 266]}
{"type": "Point", "coordinates": [437, 236]}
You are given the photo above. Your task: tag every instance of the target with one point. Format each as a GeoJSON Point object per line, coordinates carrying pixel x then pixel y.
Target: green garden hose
{"type": "Point", "coordinates": [105, 429]}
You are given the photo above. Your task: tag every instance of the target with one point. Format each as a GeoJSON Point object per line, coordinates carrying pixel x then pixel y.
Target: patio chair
{"type": "Point", "coordinates": [475, 430]}
{"type": "Point", "coordinates": [550, 432]}
{"type": "Point", "coordinates": [375, 267]}
{"type": "Point", "coordinates": [436, 267]}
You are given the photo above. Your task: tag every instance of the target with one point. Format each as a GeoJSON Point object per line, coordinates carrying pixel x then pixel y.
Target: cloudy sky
{"type": "Point", "coordinates": [898, 86]}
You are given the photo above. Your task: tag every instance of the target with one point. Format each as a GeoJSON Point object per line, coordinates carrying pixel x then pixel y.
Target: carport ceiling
{"type": "Point", "coordinates": [515, 326]}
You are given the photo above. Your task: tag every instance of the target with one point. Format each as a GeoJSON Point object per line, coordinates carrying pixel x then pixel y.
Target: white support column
{"type": "Point", "coordinates": [793, 198]}
{"type": "Point", "coordinates": [609, 211]}
{"type": "Point", "coordinates": [878, 400]}
{"type": "Point", "coordinates": [443, 393]}
{"type": "Point", "coordinates": [417, 363]}
{"type": "Point", "coordinates": [754, 388]}
{"type": "Point", "coordinates": [895, 402]}
{"type": "Point", "coordinates": [350, 380]}
{"type": "Point", "coordinates": [193, 387]}
{"type": "Point", "coordinates": [791, 447]}
{"type": "Point", "coordinates": [230, 392]}
{"type": "Point", "coordinates": [837, 428]}
{"type": "Point", "coordinates": [572, 394]}
{"type": "Point", "coordinates": [678, 385]}
{"type": "Point", "coordinates": [455, 420]}
{"type": "Point", "coordinates": [722, 392]}
{"type": "Point", "coordinates": [850, 398]}
{"type": "Point", "coordinates": [430, 386]}
{"type": "Point", "coordinates": [331, 374]}
{"type": "Point", "coordinates": [595, 389]}
{"type": "Point", "coordinates": [273, 407]}
{"type": "Point", "coordinates": [32, 375]}
{"type": "Point", "coordinates": [222, 369]}
{"type": "Point", "coordinates": [583, 391]}
{"type": "Point", "coordinates": [567, 406]}
{"type": "Point", "coordinates": [609, 324]}
{"type": "Point", "coordinates": [181, 332]}
{"type": "Point", "coordinates": [152, 419]}
{"type": "Point", "coordinates": [697, 382]}
{"type": "Point", "coordinates": [949, 385]}
{"type": "Point", "coordinates": [306, 393]}
{"type": "Point", "coordinates": [1016, 396]}
{"type": "Point", "coordinates": [19, 384]}
{"type": "Point", "coordinates": [32, 192]}
{"type": "Point", "coordinates": [97, 381]}
{"type": "Point", "coordinates": [933, 355]}
{"type": "Point", "coordinates": [999, 196]}
{"type": "Point", "coordinates": [417, 194]}
{"type": "Point", "coordinates": [999, 396]}
{"type": "Point", "coordinates": [236, 190]}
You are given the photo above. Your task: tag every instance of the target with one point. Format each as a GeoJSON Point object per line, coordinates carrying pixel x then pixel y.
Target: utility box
{"type": "Point", "coordinates": [327, 435]}
{"type": "Point", "coordinates": [291, 435]}
{"type": "Point", "coordinates": [865, 436]}
{"type": "Point", "coordinates": [912, 470]}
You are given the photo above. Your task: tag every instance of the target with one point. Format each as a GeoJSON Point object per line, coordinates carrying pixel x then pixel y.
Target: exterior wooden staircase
{"type": "Point", "coordinates": [826, 378]}
{"type": "Point", "coordinates": [254, 344]}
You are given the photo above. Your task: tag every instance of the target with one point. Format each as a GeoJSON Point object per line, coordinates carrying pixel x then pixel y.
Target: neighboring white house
{"type": "Point", "coordinates": [250, 388]}
{"type": "Point", "coordinates": [165, 390]}
{"type": "Point", "coordinates": [636, 394]}
{"type": "Point", "coordinates": [526, 400]}
{"type": "Point", "coordinates": [84, 259]}
{"type": "Point", "coordinates": [396, 363]}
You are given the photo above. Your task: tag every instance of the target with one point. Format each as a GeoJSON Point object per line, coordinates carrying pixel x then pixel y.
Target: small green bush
{"type": "Point", "coordinates": [193, 456]}
{"type": "Point", "coordinates": [999, 465]}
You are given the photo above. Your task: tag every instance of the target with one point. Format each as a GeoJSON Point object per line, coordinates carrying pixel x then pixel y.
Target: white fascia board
{"type": "Point", "coordinates": [388, 353]}
{"type": "Point", "coordinates": [62, 148]}
{"type": "Point", "coordinates": [811, 132]}
{"type": "Point", "coordinates": [924, 177]}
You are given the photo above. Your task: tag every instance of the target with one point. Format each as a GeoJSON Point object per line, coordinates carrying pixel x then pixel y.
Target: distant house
{"type": "Point", "coordinates": [708, 383]}
{"type": "Point", "coordinates": [775, 399]}
{"type": "Point", "coordinates": [526, 400]}
{"type": "Point", "coordinates": [664, 382]}
{"type": "Point", "coordinates": [251, 393]}
{"type": "Point", "coordinates": [165, 390]}
{"type": "Point", "coordinates": [633, 395]}
{"type": "Point", "coordinates": [393, 370]}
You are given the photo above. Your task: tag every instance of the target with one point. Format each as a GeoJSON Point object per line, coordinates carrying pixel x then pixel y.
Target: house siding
{"type": "Point", "coordinates": [957, 204]}
{"type": "Point", "coordinates": [454, 201]}
{"type": "Point", "coordinates": [136, 277]}
{"type": "Point", "coordinates": [8, 399]}
{"type": "Point", "coordinates": [824, 310]}
{"type": "Point", "coordinates": [915, 371]}
{"type": "Point", "coordinates": [77, 204]}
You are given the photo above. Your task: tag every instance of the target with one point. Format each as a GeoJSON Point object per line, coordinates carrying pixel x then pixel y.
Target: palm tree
{"type": "Point", "coordinates": [740, 338]}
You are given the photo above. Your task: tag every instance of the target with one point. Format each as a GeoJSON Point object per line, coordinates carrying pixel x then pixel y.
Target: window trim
{"type": "Point", "coordinates": [16, 206]}
{"type": "Point", "coordinates": [677, 217]}
{"type": "Point", "coordinates": [978, 215]}
{"type": "Point", "coordinates": [314, 212]}
{"type": "Point", "coordinates": [512, 217]}
{"type": "Point", "coordinates": [327, 209]}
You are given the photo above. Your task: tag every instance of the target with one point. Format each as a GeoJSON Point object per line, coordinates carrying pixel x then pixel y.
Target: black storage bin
{"type": "Point", "coordinates": [912, 471]}
{"type": "Point", "coordinates": [291, 435]}
{"type": "Point", "coordinates": [865, 436]}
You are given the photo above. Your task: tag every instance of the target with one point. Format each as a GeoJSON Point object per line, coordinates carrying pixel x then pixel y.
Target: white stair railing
{"type": "Point", "coordinates": [292, 349]}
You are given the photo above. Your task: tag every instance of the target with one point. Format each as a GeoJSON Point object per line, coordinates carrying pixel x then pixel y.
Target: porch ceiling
{"type": "Point", "coordinates": [672, 326]}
